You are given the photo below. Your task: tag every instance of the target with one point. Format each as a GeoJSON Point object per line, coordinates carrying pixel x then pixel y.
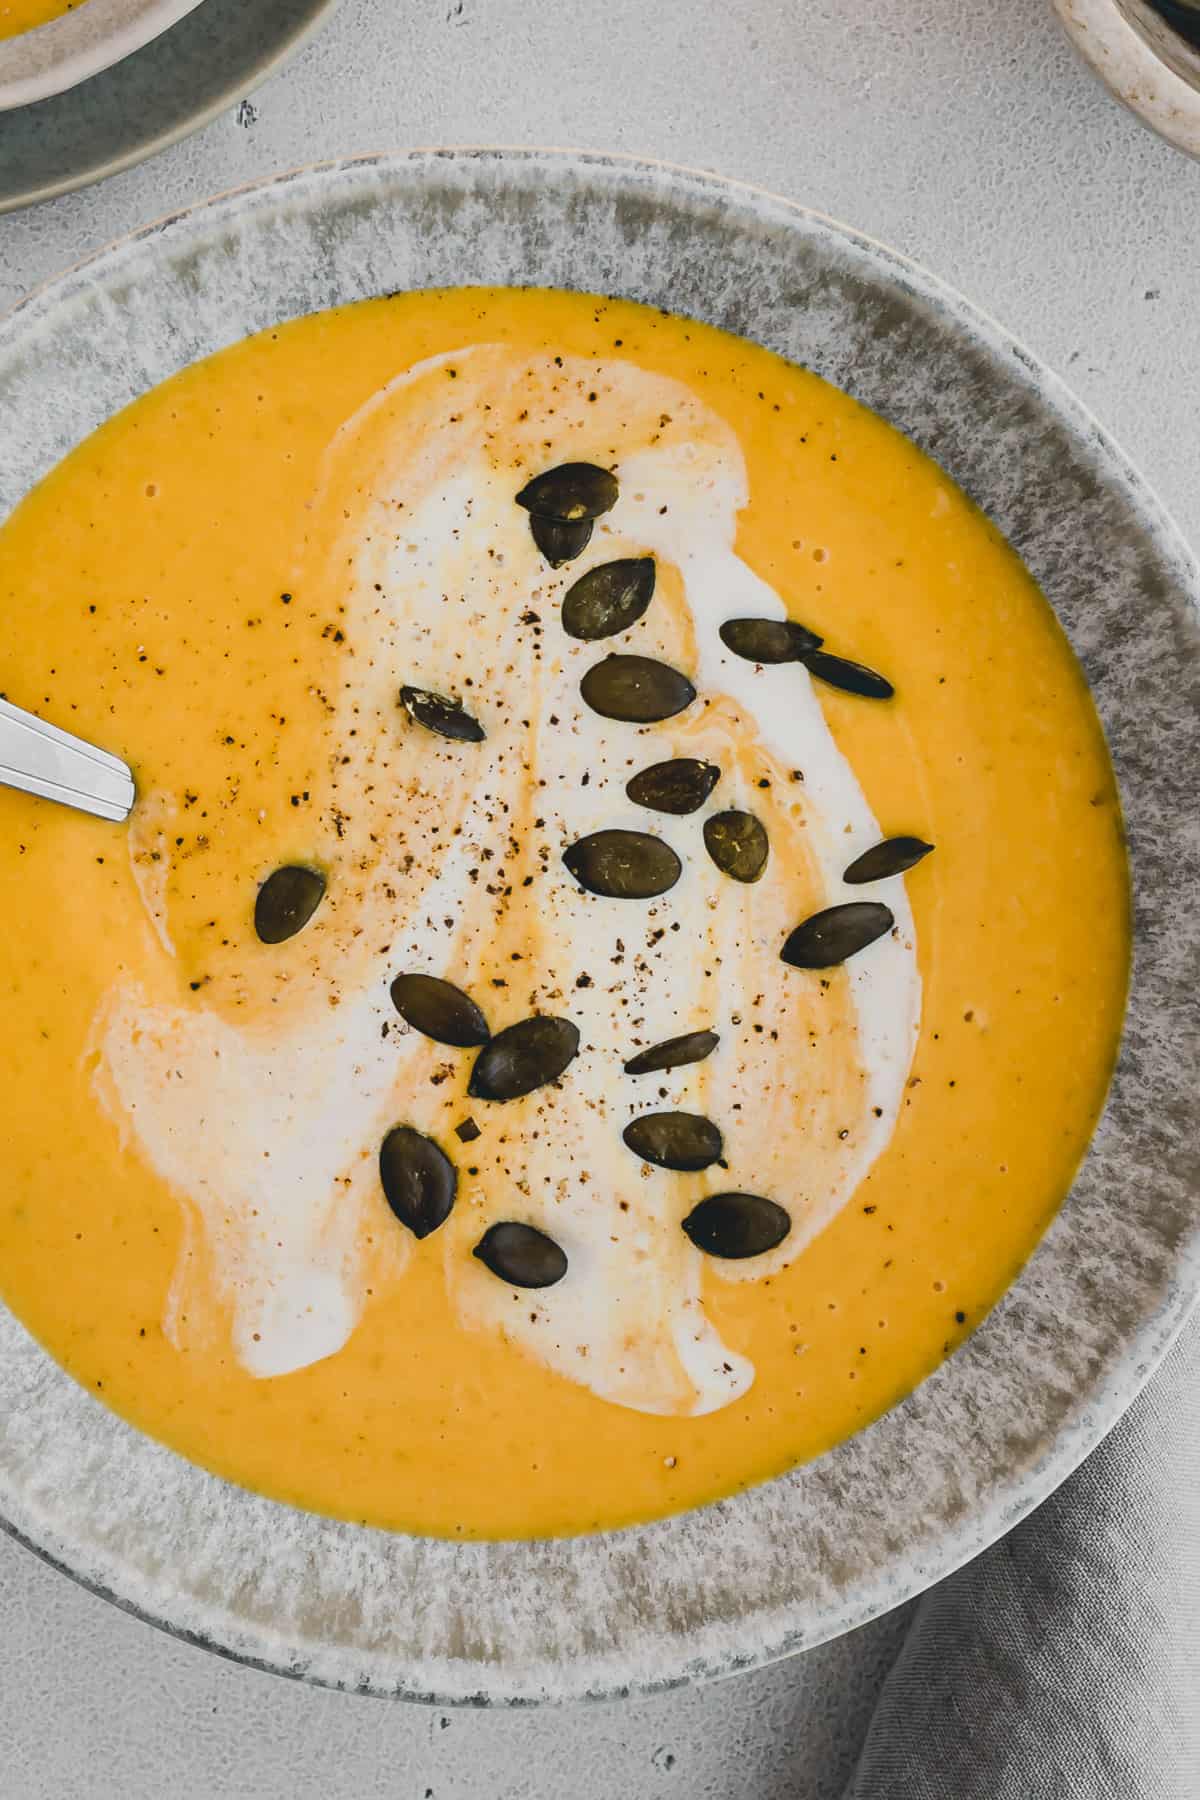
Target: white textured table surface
{"type": "Point", "coordinates": [966, 136]}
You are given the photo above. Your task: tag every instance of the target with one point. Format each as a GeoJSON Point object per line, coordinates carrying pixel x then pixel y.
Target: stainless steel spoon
{"type": "Point", "coordinates": [41, 759]}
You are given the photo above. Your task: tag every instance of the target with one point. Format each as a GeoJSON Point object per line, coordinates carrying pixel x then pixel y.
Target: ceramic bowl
{"type": "Point", "coordinates": [205, 64]}
{"type": "Point", "coordinates": [1012, 1412]}
{"type": "Point", "coordinates": [80, 43]}
{"type": "Point", "coordinates": [1143, 60]}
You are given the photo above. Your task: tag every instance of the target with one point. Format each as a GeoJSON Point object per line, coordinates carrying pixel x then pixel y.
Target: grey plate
{"type": "Point", "coordinates": [205, 63]}
{"type": "Point", "coordinates": [78, 44]}
{"type": "Point", "coordinates": [989, 1434]}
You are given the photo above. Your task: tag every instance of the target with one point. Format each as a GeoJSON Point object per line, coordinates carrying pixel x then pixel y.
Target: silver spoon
{"type": "Point", "coordinates": [41, 759]}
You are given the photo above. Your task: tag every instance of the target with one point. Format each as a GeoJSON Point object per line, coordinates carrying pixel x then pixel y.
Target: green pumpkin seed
{"type": "Point", "coordinates": [444, 716]}
{"type": "Point", "coordinates": [674, 1140]}
{"type": "Point", "coordinates": [769, 640]}
{"type": "Point", "coordinates": [609, 598]}
{"type": "Point", "coordinates": [892, 857]}
{"type": "Point", "coordinates": [286, 901]}
{"type": "Point", "coordinates": [439, 1010]}
{"type": "Point", "coordinates": [636, 689]}
{"type": "Point", "coordinates": [521, 1255]}
{"type": "Point", "coordinates": [734, 1226]}
{"type": "Point", "coordinates": [673, 1053]}
{"type": "Point", "coordinates": [677, 786]}
{"type": "Point", "coordinates": [623, 865]}
{"type": "Point", "coordinates": [829, 937]}
{"type": "Point", "coordinates": [523, 1057]}
{"type": "Point", "coordinates": [575, 490]}
{"type": "Point", "coordinates": [558, 541]}
{"type": "Point", "coordinates": [419, 1180]}
{"type": "Point", "coordinates": [850, 677]}
{"type": "Point", "coordinates": [737, 843]}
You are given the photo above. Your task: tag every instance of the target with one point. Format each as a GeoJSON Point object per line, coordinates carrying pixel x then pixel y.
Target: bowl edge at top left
{"type": "Point", "coordinates": [57, 56]}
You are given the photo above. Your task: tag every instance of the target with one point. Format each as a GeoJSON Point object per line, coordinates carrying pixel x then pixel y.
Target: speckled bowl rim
{"type": "Point", "coordinates": [990, 1434]}
{"type": "Point", "coordinates": [54, 57]}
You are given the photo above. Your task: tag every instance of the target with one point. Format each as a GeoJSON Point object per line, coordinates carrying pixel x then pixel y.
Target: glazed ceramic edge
{"type": "Point", "coordinates": [785, 1565]}
{"type": "Point", "coordinates": [79, 44]}
{"type": "Point", "coordinates": [1135, 70]}
{"type": "Point", "coordinates": [217, 56]}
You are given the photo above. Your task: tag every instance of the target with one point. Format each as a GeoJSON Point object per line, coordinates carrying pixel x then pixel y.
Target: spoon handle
{"type": "Point", "coordinates": [43, 760]}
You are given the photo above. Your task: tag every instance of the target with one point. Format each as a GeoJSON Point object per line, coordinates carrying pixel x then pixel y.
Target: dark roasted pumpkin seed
{"type": "Point", "coordinates": [609, 598]}
{"type": "Point", "coordinates": [286, 901]}
{"type": "Point", "coordinates": [438, 713]}
{"type": "Point", "coordinates": [636, 689]}
{"type": "Point", "coordinates": [737, 1225]}
{"type": "Point", "coordinates": [892, 857]}
{"type": "Point", "coordinates": [623, 865]}
{"type": "Point", "coordinates": [439, 1010]}
{"type": "Point", "coordinates": [851, 677]}
{"type": "Point", "coordinates": [677, 786]}
{"type": "Point", "coordinates": [737, 843]}
{"type": "Point", "coordinates": [838, 932]}
{"type": "Point", "coordinates": [575, 490]}
{"type": "Point", "coordinates": [419, 1180]}
{"type": "Point", "coordinates": [560, 541]}
{"type": "Point", "coordinates": [769, 640]}
{"type": "Point", "coordinates": [521, 1255]}
{"type": "Point", "coordinates": [674, 1140]}
{"type": "Point", "coordinates": [673, 1053]}
{"type": "Point", "coordinates": [523, 1057]}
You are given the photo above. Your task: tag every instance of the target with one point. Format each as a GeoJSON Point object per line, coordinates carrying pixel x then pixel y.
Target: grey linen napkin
{"type": "Point", "coordinates": [1064, 1663]}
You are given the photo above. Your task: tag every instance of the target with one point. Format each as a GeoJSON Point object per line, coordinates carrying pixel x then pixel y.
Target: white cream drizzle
{"type": "Point", "coordinates": [269, 1130]}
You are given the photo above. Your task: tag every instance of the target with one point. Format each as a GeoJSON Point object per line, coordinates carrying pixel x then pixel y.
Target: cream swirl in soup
{"type": "Point", "coordinates": [265, 1111]}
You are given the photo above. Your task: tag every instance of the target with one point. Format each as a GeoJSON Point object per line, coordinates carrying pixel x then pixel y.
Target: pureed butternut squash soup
{"type": "Point", "coordinates": [17, 16]}
{"type": "Point", "coordinates": [523, 1069]}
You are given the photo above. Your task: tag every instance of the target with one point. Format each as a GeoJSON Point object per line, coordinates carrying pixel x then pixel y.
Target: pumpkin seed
{"type": "Point", "coordinates": [521, 1255]}
{"type": "Point", "coordinates": [851, 677]}
{"type": "Point", "coordinates": [623, 865]}
{"type": "Point", "coordinates": [575, 490]}
{"type": "Point", "coordinates": [438, 713]}
{"type": "Point", "coordinates": [439, 1010]}
{"type": "Point", "coordinates": [286, 901]}
{"type": "Point", "coordinates": [674, 1140]}
{"type": "Point", "coordinates": [892, 857]}
{"type": "Point", "coordinates": [677, 786]}
{"type": "Point", "coordinates": [769, 640]}
{"type": "Point", "coordinates": [609, 598]}
{"type": "Point", "coordinates": [559, 541]}
{"type": "Point", "coordinates": [829, 937]}
{"type": "Point", "coordinates": [523, 1057]}
{"type": "Point", "coordinates": [737, 843]}
{"type": "Point", "coordinates": [636, 689]}
{"type": "Point", "coordinates": [673, 1053]}
{"type": "Point", "coordinates": [419, 1180]}
{"type": "Point", "coordinates": [737, 1225]}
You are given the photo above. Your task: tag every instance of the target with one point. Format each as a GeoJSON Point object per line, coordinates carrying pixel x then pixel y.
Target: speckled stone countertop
{"type": "Point", "coordinates": [974, 144]}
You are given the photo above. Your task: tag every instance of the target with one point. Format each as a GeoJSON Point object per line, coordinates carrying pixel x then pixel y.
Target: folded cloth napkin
{"type": "Point", "coordinates": [1064, 1663]}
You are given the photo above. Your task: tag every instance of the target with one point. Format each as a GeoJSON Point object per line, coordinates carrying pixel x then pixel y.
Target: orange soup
{"type": "Point", "coordinates": [17, 16]}
{"type": "Point", "coordinates": [593, 1000]}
